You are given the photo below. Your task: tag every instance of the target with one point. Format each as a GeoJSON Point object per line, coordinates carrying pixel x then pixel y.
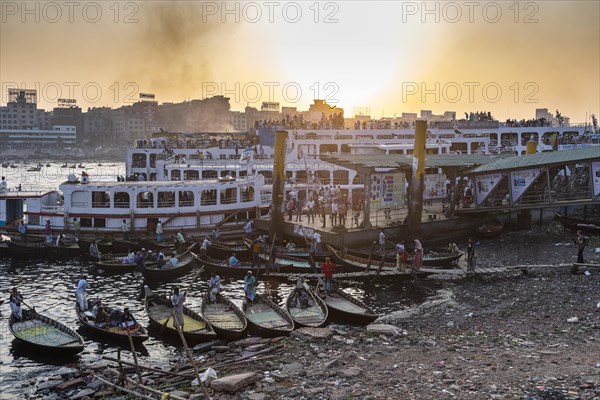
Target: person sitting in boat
{"type": "Point", "coordinates": [214, 286]}
{"type": "Point", "coordinates": [249, 283]}
{"type": "Point", "coordinates": [60, 240]}
{"type": "Point", "coordinates": [291, 246]}
{"type": "Point", "coordinates": [97, 307]}
{"type": "Point", "coordinates": [173, 261]}
{"type": "Point", "coordinates": [130, 259]}
{"type": "Point", "coordinates": [303, 299]}
{"type": "Point", "coordinates": [216, 233]}
{"type": "Point", "coordinates": [94, 251]}
{"type": "Point", "coordinates": [161, 261]}
{"type": "Point", "coordinates": [159, 255]}
{"type": "Point", "coordinates": [23, 231]}
{"type": "Point", "coordinates": [15, 303]}
{"type": "Point", "coordinates": [234, 262]}
{"type": "Point", "coordinates": [149, 256]}
{"type": "Point", "coordinates": [102, 318]}
{"type": "Point", "coordinates": [80, 294]}
{"type": "Point", "coordinates": [177, 300]}
{"type": "Point", "coordinates": [127, 319]}
{"type": "Point", "coordinates": [139, 260]}
{"type": "Point", "coordinates": [115, 316]}
{"type": "Point", "coordinates": [204, 247]}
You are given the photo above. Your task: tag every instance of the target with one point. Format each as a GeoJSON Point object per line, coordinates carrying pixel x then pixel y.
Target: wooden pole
{"type": "Point", "coordinates": [135, 360]}
{"type": "Point", "coordinates": [189, 354]}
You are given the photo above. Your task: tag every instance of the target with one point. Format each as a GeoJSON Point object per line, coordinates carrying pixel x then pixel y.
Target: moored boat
{"type": "Point", "coordinates": [153, 273]}
{"type": "Point", "coordinates": [313, 314]}
{"type": "Point", "coordinates": [138, 333]}
{"type": "Point", "coordinates": [196, 328]}
{"type": "Point", "coordinates": [579, 224]}
{"type": "Point", "coordinates": [116, 265]}
{"type": "Point", "coordinates": [225, 248]}
{"type": "Point", "coordinates": [45, 334]}
{"type": "Point", "coordinates": [489, 229]}
{"type": "Point", "coordinates": [221, 268]}
{"type": "Point", "coordinates": [228, 321]}
{"type": "Point", "coordinates": [267, 319]}
{"type": "Point", "coordinates": [431, 259]}
{"type": "Point", "coordinates": [346, 308]}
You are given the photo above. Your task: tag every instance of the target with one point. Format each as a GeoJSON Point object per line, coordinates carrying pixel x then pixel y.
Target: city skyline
{"type": "Point", "coordinates": [506, 58]}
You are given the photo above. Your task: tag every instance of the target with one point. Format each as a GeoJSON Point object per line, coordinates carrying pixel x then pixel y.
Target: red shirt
{"type": "Point", "coordinates": [328, 269]}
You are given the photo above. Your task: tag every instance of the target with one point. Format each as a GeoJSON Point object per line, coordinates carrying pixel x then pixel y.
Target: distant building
{"type": "Point", "coordinates": [21, 112]}
{"type": "Point", "coordinates": [98, 126]}
{"type": "Point", "coordinates": [69, 116]}
{"type": "Point", "coordinates": [206, 115]}
{"type": "Point", "coordinates": [59, 136]}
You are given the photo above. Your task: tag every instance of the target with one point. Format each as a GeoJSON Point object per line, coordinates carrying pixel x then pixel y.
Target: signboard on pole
{"type": "Point", "coordinates": [521, 180]}
{"type": "Point", "coordinates": [387, 190]}
{"type": "Point", "coordinates": [484, 184]}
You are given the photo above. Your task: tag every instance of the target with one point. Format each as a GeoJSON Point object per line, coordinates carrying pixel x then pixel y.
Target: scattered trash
{"type": "Point", "coordinates": [573, 320]}
{"type": "Point", "coordinates": [596, 250]}
{"type": "Point", "coordinates": [587, 273]}
{"type": "Point", "coordinates": [598, 305]}
{"type": "Point", "coordinates": [597, 365]}
{"type": "Point", "coordinates": [451, 323]}
{"type": "Point", "coordinates": [206, 377]}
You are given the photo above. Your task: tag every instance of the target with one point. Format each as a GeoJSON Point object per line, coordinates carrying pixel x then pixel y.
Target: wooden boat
{"type": "Point", "coordinates": [196, 328]}
{"type": "Point", "coordinates": [489, 229]}
{"type": "Point", "coordinates": [221, 268]}
{"type": "Point", "coordinates": [289, 264]}
{"type": "Point", "coordinates": [45, 334]}
{"type": "Point", "coordinates": [574, 224]}
{"type": "Point", "coordinates": [104, 245]}
{"type": "Point", "coordinates": [225, 317]}
{"type": "Point", "coordinates": [299, 252]}
{"type": "Point", "coordinates": [122, 245]}
{"type": "Point", "coordinates": [116, 266]}
{"type": "Point", "coordinates": [26, 250]}
{"type": "Point", "coordinates": [138, 333]}
{"type": "Point", "coordinates": [345, 308]}
{"type": "Point", "coordinates": [431, 259]}
{"type": "Point", "coordinates": [315, 315]}
{"type": "Point", "coordinates": [67, 251]}
{"type": "Point", "coordinates": [225, 248]}
{"type": "Point", "coordinates": [152, 244]}
{"type": "Point", "coordinates": [152, 272]}
{"type": "Point", "coordinates": [267, 319]}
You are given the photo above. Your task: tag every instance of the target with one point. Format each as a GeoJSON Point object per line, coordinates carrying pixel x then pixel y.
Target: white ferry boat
{"type": "Point", "coordinates": [102, 206]}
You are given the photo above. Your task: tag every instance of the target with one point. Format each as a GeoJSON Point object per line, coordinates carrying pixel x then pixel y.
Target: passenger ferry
{"type": "Point", "coordinates": [102, 206]}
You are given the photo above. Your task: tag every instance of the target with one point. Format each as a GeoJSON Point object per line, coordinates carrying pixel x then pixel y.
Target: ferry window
{"type": "Point", "coordinates": [248, 194]}
{"type": "Point", "coordinates": [345, 149]}
{"type": "Point", "coordinates": [229, 196]}
{"type": "Point", "coordinates": [99, 222]}
{"type": "Point", "coordinates": [145, 200]}
{"type": "Point", "coordinates": [210, 174]}
{"type": "Point", "coordinates": [328, 148]}
{"type": "Point", "coordinates": [175, 175]}
{"type": "Point", "coordinates": [85, 222]}
{"type": "Point", "coordinates": [323, 176]}
{"type": "Point", "coordinates": [121, 200]}
{"type": "Point", "coordinates": [268, 176]}
{"type": "Point", "coordinates": [166, 199]}
{"type": "Point", "coordinates": [227, 172]}
{"type": "Point", "coordinates": [209, 197]}
{"type": "Point", "coordinates": [191, 175]}
{"type": "Point", "coordinates": [223, 156]}
{"type": "Point", "coordinates": [186, 198]}
{"type": "Point", "coordinates": [340, 177]}
{"type": "Point", "coordinates": [79, 198]}
{"type": "Point", "coordinates": [153, 160]}
{"type": "Point", "coordinates": [138, 160]}
{"type": "Point", "coordinates": [100, 199]}
{"type": "Point", "coordinates": [243, 173]}
{"type": "Point", "coordinates": [356, 180]}
{"type": "Point", "coordinates": [153, 176]}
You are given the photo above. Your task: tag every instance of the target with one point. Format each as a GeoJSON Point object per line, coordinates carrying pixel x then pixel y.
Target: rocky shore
{"type": "Point", "coordinates": [531, 333]}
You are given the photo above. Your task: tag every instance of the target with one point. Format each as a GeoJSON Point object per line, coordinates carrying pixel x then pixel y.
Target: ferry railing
{"type": "Point", "coordinates": [165, 204]}
{"type": "Point", "coordinates": [208, 202]}
{"type": "Point", "coordinates": [186, 203]}
{"type": "Point", "coordinates": [228, 200]}
{"type": "Point", "coordinates": [122, 204]}
{"type": "Point", "coordinates": [100, 204]}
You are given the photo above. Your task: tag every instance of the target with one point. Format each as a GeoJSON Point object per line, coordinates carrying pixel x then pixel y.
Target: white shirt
{"type": "Point", "coordinates": [248, 227]}
{"type": "Point", "coordinates": [205, 244]}
{"type": "Point", "coordinates": [400, 248]}
{"type": "Point", "coordinates": [382, 238]}
{"type": "Point", "coordinates": [317, 237]}
{"type": "Point", "coordinates": [311, 204]}
{"type": "Point", "coordinates": [334, 207]}
{"type": "Point", "coordinates": [215, 283]}
{"type": "Point", "coordinates": [159, 228]}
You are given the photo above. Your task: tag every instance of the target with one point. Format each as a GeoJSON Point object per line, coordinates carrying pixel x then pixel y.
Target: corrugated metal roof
{"type": "Point", "coordinates": [402, 161]}
{"type": "Point", "coordinates": [539, 159]}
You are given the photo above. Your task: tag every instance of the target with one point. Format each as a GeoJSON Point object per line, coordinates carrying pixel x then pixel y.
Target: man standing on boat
{"type": "Point", "coordinates": [401, 256]}
{"type": "Point", "coordinates": [3, 185]}
{"type": "Point", "coordinates": [125, 229]}
{"type": "Point", "coordinates": [177, 300]}
{"type": "Point", "coordinates": [48, 230]}
{"type": "Point", "coordinates": [214, 286]}
{"type": "Point", "coordinates": [328, 268]}
{"type": "Point", "coordinates": [159, 231]}
{"type": "Point", "coordinates": [581, 242]}
{"type": "Point", "coordinates": [180, 240]}
{"type": "Point", "coordinates": [310, 206]}
{"type": "Point", "coordinates": [80, 294]}
{"type": "Point", "coordinates": [23, 232]}
{"type": "Point", "coordinates": [248, 228]}
{"type": "Point", "coordinates": [77, 227]}
{"type": "Point", "coordinates": [317, 239]}
{"type": "Point", "coordinates": [382, 242]}
{"type": "Point", "coordinates": [249, 283]}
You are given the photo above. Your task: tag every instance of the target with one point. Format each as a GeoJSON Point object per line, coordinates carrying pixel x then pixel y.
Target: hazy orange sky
{"type": "Point", "coordinates": [387, 57]}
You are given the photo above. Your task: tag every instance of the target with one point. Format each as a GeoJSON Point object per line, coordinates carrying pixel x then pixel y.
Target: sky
{"type": "Point", "coordinates": [380, 58]}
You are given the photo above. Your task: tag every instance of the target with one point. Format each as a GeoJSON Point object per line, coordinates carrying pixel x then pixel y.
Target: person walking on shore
{"type": "Point", "coordinates": [418, 256]}
{"type": "Point", "coordinates": [470, 256]}
{"type": "Point", "coordinates": [581, 242]}
{"type": "Point", "coordinates": [328, 268]}
{"type": "Point", "coordinates": [401, 256]}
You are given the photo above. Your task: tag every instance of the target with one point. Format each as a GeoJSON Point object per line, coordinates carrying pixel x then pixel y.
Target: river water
{"type": "Point", "coordinates": [49, 286]}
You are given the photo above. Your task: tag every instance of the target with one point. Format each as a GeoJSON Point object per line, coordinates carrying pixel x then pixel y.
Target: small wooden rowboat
{"type": "Point", "coordinates": [314, 314]}
{"type": "Point", "coordinates": [225, 317]}
{"type": "Point", "coordinates": [267, 319]}
{"type": "Point", "coordinates": [42, 333]}
{"type": "Point", "coordinates": [345, 308]}
{"type": "Point", "coordinates": [196, 328]}
{"type": "Point", "coordinates": [138, 333]}
{"type": "Point", "coordinates": [153, 273]}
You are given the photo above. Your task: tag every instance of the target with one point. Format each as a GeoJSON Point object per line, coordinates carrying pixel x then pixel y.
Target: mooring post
{"type": "Point", "coordinates": [276, 225]}
{"type": "Point", "coordinates": [415, 205]}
